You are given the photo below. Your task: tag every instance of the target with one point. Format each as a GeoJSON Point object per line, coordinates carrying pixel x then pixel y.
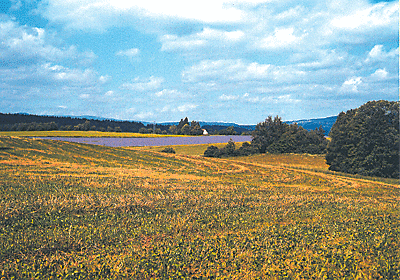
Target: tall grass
{"type": "Point", "coordinates": [74, 211]}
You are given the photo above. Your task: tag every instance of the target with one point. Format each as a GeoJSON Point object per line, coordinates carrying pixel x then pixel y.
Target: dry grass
{"type": "Point", "coordinates": [73, 210]}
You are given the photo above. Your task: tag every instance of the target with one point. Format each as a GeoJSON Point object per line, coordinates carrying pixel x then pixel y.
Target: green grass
{"type": "Point", "coordinates": [70, 211]}
{"type": "Point", "coordinates": [57, 133]}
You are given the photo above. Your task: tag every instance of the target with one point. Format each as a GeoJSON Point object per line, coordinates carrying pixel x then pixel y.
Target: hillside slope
{"type": "Point", "coordinates": [75, 210]}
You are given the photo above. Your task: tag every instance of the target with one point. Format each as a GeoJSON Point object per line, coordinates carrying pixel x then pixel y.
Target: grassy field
{"type": "Point", "coordinates": [75, 211]}
{"type": "Point", "coordinates": [57, 133]}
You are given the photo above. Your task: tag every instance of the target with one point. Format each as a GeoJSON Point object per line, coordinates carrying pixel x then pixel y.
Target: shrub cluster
{"type": "Point", "coordinates": [168, 150]}
{"type": "Point", "coordinates": [230, 150]}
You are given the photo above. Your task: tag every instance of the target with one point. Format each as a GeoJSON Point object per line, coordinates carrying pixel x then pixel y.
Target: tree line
{"type": "Point", "coordinates": [362, 141]}
{"type": "Point", "coordinates": [25, 122]}
{"type": "Point", "coordinates": [275, 136]}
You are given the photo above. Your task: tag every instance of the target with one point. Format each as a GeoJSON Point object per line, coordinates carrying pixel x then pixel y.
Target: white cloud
{"type": "Point", "coordinates": [170, 93]}
{"type": "Point", "coordinates": [378, 53]}
{"type": "Point", "coordinates": [22, 45]}
{"type": "Point", "coordinates": [378, 15]}
{"type": "Point", "coordinates": [138, 84]}
{"type": "Point", "coordinates": [57, 73]}
{"type": "Point", "coordinates": [379, 74]}
{"type": "Point", "coordinates": [208, 37]}
{"type": "Point", "coordinates": [173, 42]}
{"type": "Point", "coordinates": [228, 97]}
{"type": "Point", "coordinates": [129, 53]}
{"type": "Point", "coordinates": [143, 116]}
{"type": "Point", "coordinates": [104, 79]}
{"type": "Point", "coordinates": [282, 38]}
{"type": "Point", "coordinates": [187, 107]}
{"type": "Point", "coordinates": [240, 71]}
{"type": "Point", "coordinates": [100, 14]}
{"type": "Point", "coordinates": [84, 96]}
{"type": "Point", "coordinates": [351, 85]}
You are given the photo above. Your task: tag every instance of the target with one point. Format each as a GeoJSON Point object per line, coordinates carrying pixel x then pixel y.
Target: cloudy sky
{"type": "Point", "coordinates": [211, 60]}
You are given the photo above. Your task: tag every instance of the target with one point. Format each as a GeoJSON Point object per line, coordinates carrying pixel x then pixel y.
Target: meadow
{"type": "Point", "coordinates": [76, 211]}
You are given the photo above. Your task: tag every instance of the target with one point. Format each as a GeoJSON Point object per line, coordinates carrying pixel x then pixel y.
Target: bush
{"type": "Point", "coordinates": [212, 151]}
{"type": "Point", "coordinates": [168, 150]}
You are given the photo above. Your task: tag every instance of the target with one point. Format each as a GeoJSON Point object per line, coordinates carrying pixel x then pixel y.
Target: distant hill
{"type": "Point", "coordinates": [7, 121]}
{"type": "Point", "coordinates": [312, 124]}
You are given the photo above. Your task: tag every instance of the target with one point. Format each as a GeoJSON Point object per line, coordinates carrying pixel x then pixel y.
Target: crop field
{"type": "Point", "coordinates": [76, 211]}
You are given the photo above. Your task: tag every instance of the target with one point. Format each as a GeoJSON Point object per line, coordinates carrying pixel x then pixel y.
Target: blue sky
{"type": "Point", "coordinates": [221, 60]}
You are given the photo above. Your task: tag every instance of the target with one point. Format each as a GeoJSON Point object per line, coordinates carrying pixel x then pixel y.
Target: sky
{"type": "Point", "coordinates": [210, 60]}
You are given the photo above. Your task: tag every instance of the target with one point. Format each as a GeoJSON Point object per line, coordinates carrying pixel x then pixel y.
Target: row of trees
{"type": "Point", "coordinates": [34, 126]}
{"type": "Point", "coordinates": [186, 128]}
{"type": "Point", "coordinates": [275, 136]}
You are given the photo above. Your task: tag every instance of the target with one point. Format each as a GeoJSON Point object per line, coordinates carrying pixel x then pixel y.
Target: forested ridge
{"type": "Point", "coordinates": [23, 122]}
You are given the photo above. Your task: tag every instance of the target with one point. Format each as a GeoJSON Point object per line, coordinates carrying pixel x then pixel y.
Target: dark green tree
{"type": "Point", "coordinates": [366, 140]}
{"type": "Point", "coordinates": [182, 123]}
{"type": "Point", "coordinates": [185, 130]}
{"type": "Point", "coordinates": [268, 132]}
{"type": "Point", "coordinates": [229, 149]}
{"type": "Point", "coordinates": [195, 128]}
{"type": "Point", "coordinates": [212, 151]}
{"type": "Point", "coordinates": [173, 129]}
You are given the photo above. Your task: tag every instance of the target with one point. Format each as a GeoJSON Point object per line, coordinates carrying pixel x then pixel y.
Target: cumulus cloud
{"type": "Point", "coordinates": [282, 38]}
{"type": "Point", "coordinates": [22, 45]}
{"type": "Point", "coordinates": [208, 38]}
{"type": "Point", "coordinates": [129, 53]}
{"type": "Point", "coordinates": [100, 14]}
{"type": "Point", "coordinates": [379, 74]}
{"type": "Point", "coordinates": [187, 107]}
{"type": "Point", "coordinates": [378, 53]}
{"type": "Point", "coordinates": [226, 97]}
{"type": "Point", "coordinates": [240, 71]}
{"type": "Point", "coordinates": [378, 15]}
{"type": "Point", "coordinates": [37, 69]}
{"type": "Point", "coordinates": [147, 84]}
{"type": "Point", "coordinates": [276, 52]}
{"type": "Point", "coordinates": [351, 85]}
{"type": "Point", "coordinates": [170, 93]}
